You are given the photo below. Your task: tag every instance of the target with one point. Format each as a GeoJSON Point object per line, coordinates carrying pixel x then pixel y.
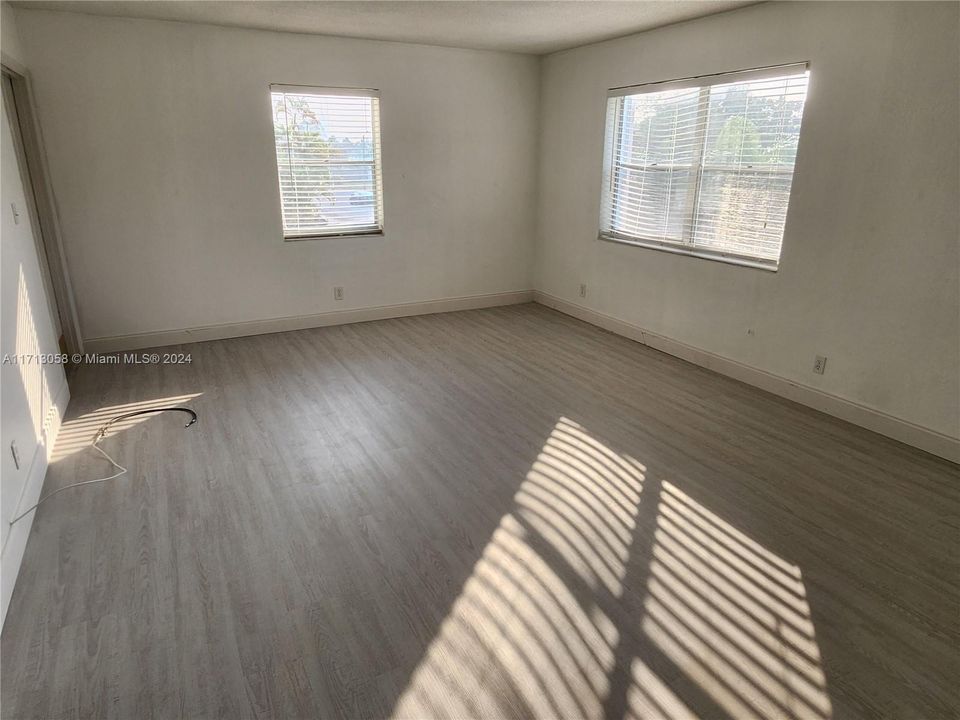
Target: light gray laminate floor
{"type": "Point", "coordinates": [496, 513]}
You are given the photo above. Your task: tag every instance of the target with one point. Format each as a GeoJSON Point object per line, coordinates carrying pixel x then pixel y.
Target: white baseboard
{"type": "Point", "coordinates": [301, 322]}
{"type": "Point", "coordinates": [16, 540]}
{"type": "Point", "coordinates": [918, 436]}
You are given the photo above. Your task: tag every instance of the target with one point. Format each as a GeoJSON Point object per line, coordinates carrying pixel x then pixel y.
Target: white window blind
{"type": "Point", "coordinates": [704, 165]}
{"type": "Point", "coordinates": [328, 160]}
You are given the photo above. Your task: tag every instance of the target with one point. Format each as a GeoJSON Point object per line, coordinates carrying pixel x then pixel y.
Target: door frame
{"type": "Point", "coordinates": [40, 198]}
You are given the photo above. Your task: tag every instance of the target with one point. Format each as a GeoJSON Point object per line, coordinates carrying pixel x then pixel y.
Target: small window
{"type": "Point", "coordinates": [328, 161]}
{"type": "Point", "coordinates": [704, 166]}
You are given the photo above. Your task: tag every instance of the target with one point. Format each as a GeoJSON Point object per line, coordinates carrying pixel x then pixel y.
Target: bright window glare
{"type": "Point", "coordinates": [705, 168]}
{"type": "Point", "coordinates": [328, 161]}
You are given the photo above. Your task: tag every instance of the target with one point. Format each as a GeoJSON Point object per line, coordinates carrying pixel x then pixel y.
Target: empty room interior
{"type": "Point", "coordinates": [480, 360]}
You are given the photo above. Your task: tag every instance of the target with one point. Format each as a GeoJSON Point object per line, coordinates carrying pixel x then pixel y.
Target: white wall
{"type": "Point", "coordinates": [160, 146]}
{"type": "Point", "coordinates": [159, 142]}
{"type": "Point", "coordinates": [869, 270]}
{"type": "Point", "coordinates": [10, 35]}
{"type": "Point", "coordinates": [34, 395]}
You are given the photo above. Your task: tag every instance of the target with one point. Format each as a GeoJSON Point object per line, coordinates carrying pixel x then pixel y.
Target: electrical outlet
{"type": "Point", "coordinates": [820, 365]}
{"type": "Point", "coordinates": [583, 289]}
{"type": "Point", "coordinates": [338, 293]}
{"type": "Point", "coordinates": [16, 454]}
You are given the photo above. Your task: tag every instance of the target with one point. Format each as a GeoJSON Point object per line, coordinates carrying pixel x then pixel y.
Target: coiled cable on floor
{"type": "Point", "coordinates": [101, 434]}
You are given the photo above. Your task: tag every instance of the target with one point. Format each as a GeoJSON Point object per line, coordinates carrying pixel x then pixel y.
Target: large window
{"type": "Point", "coordinates": [328, 160]}
{"type": "Point", "coordinates": [704, 166]}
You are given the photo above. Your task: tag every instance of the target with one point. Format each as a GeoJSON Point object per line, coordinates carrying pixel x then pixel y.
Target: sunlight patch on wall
{"type": "Point", "coordinates": [32, 375]}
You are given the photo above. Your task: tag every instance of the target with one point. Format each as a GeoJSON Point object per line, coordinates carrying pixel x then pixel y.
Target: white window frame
{"type": "Point", "coordinates": [612, 167]}
{"type": "Point", "coordinates": [377, 228]}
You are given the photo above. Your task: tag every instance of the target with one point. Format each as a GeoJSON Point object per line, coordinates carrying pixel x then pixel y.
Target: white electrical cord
{"type": "Point", "coordinates": [121, 470]}
{"type": "Point", "coordinates": [101, 434]}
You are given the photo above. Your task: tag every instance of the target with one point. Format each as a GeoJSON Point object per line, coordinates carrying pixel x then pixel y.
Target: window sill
{"type": "Point", "coordinates": [701, 253]}
{"type": "Point", "coordinates": [334, 235]}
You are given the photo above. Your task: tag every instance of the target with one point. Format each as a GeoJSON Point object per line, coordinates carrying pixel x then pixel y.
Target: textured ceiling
{"type": "Point", "coordinates": [535, 26]}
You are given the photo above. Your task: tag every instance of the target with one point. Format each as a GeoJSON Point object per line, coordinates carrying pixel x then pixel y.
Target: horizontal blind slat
{"type": "Point", "coordinates": [328, 159]}
{"type": "Point", "coordinates": [706, 165]}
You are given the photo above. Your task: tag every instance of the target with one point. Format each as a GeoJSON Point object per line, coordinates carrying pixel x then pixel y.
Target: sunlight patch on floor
{"type": "Point", "coordinates": [731, 615]}
{"type": "Point", "coordinates": [77, 434]}
{"type": "Point", "coordinates": [724, 620]}
{"type": "Point", "coordinates": [520, 639]}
